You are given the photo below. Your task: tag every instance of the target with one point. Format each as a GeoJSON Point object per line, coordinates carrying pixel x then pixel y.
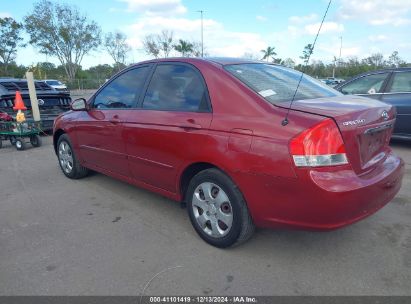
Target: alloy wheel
{"type": "Point", "coordinates": [65, 157]}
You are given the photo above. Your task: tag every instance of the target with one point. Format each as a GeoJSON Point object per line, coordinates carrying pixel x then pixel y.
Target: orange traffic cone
{"type": "Point", "coordinates": [18, 102]}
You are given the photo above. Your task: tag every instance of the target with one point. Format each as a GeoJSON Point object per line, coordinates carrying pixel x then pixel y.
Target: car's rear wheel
{"type": "Point", "coordinates": [217, 209]}
{"type": "Point", "coordinates": [68, 161]}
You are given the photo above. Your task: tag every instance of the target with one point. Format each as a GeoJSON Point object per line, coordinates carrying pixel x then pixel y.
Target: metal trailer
{"type": "Point", "coordinates": [20, 133]}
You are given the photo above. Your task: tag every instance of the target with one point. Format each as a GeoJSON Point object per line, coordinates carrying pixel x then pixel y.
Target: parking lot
{"type": "Point", "coordinates": [100, 236]}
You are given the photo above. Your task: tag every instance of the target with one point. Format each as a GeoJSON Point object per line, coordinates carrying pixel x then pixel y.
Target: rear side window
{"type": "Point", "coordinates": [278, 84]}
{"type": "Point", "coordinates": [369, 84]}
{"type": "Point", "coordinates": [401, 82]}
{"type": "Point", "coordinates": [123, 92]}
{"type": "Point", "coordinates": [176, 87]}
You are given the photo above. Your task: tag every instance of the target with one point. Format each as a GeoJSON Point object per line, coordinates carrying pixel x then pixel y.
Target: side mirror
{"type": "Point", "coordinates": [79, 104]}
{"type": "Point", "coordinates": [343, 91]}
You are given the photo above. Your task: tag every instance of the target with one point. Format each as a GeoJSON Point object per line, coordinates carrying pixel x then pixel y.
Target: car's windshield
{"type": "Point", "coordinates": [53, 82]}
{"type": "Point", "coordinates": [277, 84]}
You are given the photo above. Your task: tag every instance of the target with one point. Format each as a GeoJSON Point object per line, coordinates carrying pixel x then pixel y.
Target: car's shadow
{"type": "Point", "coordinates": [170, 214]}
{"type": "Point", "coordinates": [400, 143]}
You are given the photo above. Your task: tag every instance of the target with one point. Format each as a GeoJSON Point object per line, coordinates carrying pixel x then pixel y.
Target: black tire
{"type": "Point", "coordinates": [1, 143]}
{"type": "Point", "coordinates": [12, 140]}
{"type": "Point", "coordinates": [77, 171]}
{"type": "Point", "coordinates": [242, 226]}
{"type": "Point", "coordinates": [35, 141]}
{"type": "Point", "coordinates": [20, 144]}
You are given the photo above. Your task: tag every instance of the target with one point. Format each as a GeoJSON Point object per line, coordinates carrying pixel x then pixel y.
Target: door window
{"type": "Point", "coordinates": [122, 92]}
{"type": "Point", "coordinates": [370, 84]}
{"type": "Point", "coordinates": [401, 82]}
{"type": "Point", "coordinates": [176, 87]}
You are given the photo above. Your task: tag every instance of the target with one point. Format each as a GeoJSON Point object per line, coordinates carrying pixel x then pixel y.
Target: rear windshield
{"type": "Point", "coordinates": [277, 84]}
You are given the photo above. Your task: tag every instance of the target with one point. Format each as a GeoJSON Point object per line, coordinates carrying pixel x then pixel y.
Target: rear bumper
{"type": "Point", "coordinates": [320, 199]}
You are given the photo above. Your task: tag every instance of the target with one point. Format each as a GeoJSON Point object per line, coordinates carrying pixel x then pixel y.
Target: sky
{"type": "Point", "coordinates": [243, 28]}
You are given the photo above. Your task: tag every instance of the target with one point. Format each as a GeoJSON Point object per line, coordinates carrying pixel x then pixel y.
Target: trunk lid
{"type": "Point", "coordinates": [365, 124]}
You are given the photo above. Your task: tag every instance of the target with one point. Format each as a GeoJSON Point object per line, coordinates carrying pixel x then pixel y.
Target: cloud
{"type": "Point", "coordinates": [327, 27]}
{"type": "Point", "coordinates": [156, 7]}
{"type": "Point", "coordinates": [261, 18]}
{"type": "Point", "coordinates": [302, 25]}
{"type": "Point", "coordinates": [302, 19]}
{"type": "Point", "coordinates": [331, 49]}
{"type": "Point", "coordinates": [376, 12]}
{"type": "Point", "coordinates": [377, 38]}
{"type": "Point", "coordinates": [217, 40]}
{"type": "Point", "coordinates": [4, 14]}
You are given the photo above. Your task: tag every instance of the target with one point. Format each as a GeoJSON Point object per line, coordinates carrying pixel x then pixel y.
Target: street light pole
{"type": "Point", "coordinates": [202, 33]}
{"type": "Point", "coordinates": [339, 59]}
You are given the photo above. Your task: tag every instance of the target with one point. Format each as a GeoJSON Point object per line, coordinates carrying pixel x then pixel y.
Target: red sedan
{"type": "Point", "coordinates": [212, 133]}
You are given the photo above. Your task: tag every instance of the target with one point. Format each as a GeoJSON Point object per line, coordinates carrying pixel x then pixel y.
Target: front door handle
{"type": "Point", "coordinates": [190, 124]}
{"type": "Point", "coordinates": [115, 120]}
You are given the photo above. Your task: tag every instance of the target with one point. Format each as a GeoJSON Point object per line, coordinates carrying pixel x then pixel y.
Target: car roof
{"type": "Point", "coordinates": [405, 69]}
{"type": "Point", "coordinates": [6, 79]}
{"type": "Point", "coordinates": [215, 60]}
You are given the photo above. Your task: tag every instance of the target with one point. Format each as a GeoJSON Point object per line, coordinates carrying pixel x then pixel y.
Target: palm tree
{"type": "Point", "coordinates": [269, 52]}
{"type": "Point", "coordinates": [184, 47]}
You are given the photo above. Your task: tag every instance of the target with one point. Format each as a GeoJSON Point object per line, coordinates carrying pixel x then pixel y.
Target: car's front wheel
{"type": "Point", "coordinates": [68, 161]}
{"type": "Point", "coordinates": [218, 210]}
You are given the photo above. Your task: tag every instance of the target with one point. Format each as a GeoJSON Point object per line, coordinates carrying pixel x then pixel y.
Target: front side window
{"type": "Point", "coordinates": [122, 92]}
{"type": "Point", "coordinates": [278, 84]}
{"type": "Point", "coordinates": [401, 82]}
{"type": "Point", "coordinates": [176, 87]}
{"type": "Point", "coordinates": [369, 84]}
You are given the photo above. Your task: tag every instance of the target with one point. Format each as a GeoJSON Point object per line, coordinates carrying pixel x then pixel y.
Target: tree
{"type": "Point", "coordinates": [268, 52]}
{"type": "Point", "coordinates": [288, 62]}
{"type": "Point", "coordinates": [376, 60]}
{"type": "Point", "coordinates": [60, 30]}
{"type": "Point", "coordinates": [100, 72]}
{"type": "Point", "coordinates": [394, 60]}
{"type": "Point", "coordinates": [198, 50]}
{"type": "Point", "coordinates": [185, 48]}
{"type": "Point", "coordinates": [117, 46]}
{"type": "Point", "coordinates": [150, 46]}
{"type": "Point", "coordinates": [251, 56]}
{"type": "Point", "coordinates": [159, 44]}
{"type": "Point", "coordinates": [308, 50]}
{"type": "Point", "coordinates": [165, 42]}
{"type": "Point", "coordinates": [10, 40]}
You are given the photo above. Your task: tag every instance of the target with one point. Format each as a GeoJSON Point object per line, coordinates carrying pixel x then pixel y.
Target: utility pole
{"type": "Point", "coordinates": [339, 58]}
{"type": "Point", "coordinates": [202, 33]}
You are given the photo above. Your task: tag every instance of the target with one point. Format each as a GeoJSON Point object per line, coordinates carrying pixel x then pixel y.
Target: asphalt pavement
{"type": "Point", "coordinates": [100, 236]}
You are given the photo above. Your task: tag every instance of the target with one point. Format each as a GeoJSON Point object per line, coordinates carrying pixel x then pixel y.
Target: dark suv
{"type": "Point", "coordinates": [51, 102]}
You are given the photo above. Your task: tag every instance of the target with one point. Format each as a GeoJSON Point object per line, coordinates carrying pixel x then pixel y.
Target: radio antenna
{"type": "Point", "coordinates": [285, 121]}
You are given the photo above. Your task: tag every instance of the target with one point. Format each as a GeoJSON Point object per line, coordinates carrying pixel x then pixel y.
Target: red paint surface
{"type": "Point", "coordinates": [243, 136]}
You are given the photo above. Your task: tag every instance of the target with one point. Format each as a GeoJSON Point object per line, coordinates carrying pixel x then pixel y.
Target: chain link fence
{"type": "Point", "coordinates": [83, 88]}
{"type": "Point", "coordinates": [84, 84]}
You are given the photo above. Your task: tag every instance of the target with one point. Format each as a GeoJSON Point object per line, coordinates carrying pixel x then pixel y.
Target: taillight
{"type": "Point", "coordinates": [321, 145]}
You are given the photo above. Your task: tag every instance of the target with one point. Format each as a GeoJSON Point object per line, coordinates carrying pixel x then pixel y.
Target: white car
{"type": "Point", "coordinates": [56, 84]}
